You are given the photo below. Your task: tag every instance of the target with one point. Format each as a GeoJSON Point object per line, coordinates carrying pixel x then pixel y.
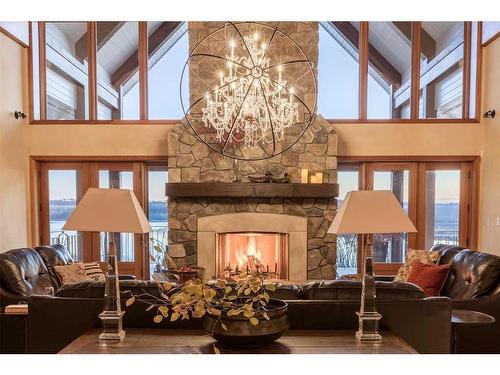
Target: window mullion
{"type": "Point", "coordinates": [363, 70]}
{"type": "Point", "coordinates": [415, 70]}
{"type": "Point", "coordinates": [143, 69]}
{"type": "Point", "coordinates": [92, 69]}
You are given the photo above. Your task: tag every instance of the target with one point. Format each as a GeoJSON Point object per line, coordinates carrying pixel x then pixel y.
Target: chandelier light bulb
{"type": "Point", "coordinates": [256, 36]}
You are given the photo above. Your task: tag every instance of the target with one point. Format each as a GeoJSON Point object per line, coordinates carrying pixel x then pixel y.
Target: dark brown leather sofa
{"type": "Point", "coordinates": [473, 284]}
{"type": "Point", "coordinates": [424, 323]}
{"type": "Point", "coordinates": [322, 305]}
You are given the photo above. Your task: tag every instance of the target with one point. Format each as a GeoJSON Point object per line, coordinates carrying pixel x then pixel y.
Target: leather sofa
{"type": "Point", "coordinates": [25, 272]}
{"type": "Point", "coordinates": [321, 305]}
{"type": "Point", "coordinates": [473, 284]}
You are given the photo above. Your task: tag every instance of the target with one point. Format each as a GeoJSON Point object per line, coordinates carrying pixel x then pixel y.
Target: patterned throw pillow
{"type": "Point", "coordinates": [71, 274]}
{"type": "Point", "coordinates": [422, 256]}
{"type": "Point", "coordinates": [93, 270]}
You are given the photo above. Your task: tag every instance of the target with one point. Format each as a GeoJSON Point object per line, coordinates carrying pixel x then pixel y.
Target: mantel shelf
{"type": "Point", "coordinates": [250, 190]}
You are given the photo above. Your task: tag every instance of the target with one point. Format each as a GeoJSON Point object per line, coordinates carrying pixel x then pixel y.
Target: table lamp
{"type": "Point", "coordinates": [113, 211]}
{"type": "Point", "coordinates": [370, 212]}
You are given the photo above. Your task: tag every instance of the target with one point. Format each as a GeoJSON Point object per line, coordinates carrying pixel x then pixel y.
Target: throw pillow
{"type": "Point", "coordinates": [93, 270]}
{"type": "Point", "coordinates": [429, 277]}
{"type": "Point", "coordinates": [71, 274]}
{"type": "Point", "coordinates": [423, 256]}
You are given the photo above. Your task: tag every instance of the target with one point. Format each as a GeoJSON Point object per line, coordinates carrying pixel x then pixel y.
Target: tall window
{"type": "Point", "coordinates": [165, 66]}
{"type": "Point", "coordinates": [62, 184]}
{"type": "Point", "coordinates": [441, 69]}
{"type": "Point", "coordinates": [66, 74]}
{"type": "Point", "coordinates": [438, 197]}
{"type": "Point", "coordinates": [157, 213]}
{"type": "Point", "coordinates": [338, 70]}
{"type": "Point", "coordinates": [367, 71]}
{"type": "Point", "coordinates": [347, 244]}
{"type": "Point", "coordinates": [389, 69]}
{"type": "Point", "coordinates": [117, 70]}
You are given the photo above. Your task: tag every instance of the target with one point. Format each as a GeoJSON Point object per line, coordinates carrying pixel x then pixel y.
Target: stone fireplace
{"type": "Point", "coordinates": [199, 224]}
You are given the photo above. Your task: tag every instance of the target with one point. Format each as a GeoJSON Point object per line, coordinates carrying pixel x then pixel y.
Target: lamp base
{"type": "Point", "coordinates": [368, 327]}
{"type": "Point", "coordinates": [111, 326]}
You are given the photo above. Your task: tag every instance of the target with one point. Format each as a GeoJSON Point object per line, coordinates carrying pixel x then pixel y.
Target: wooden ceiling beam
{"type": "Point", "coordinates": [155, 40]}
{"type": "Point", "coordinates": [105, 30]}
{"type": "Point", "coordinates": [376, 59]}
{"type": "Point", "coordinates": [427, 42]}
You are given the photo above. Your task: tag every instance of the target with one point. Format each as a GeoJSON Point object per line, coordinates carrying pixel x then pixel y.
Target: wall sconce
{"type": "Point", "coordinates": [19, 115]}
{"type": "Point", "coordinates": [489, 114]}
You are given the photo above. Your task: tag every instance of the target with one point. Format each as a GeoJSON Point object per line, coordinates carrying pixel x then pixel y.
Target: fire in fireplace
{"type": "Point", "coordinates": [246, 252]}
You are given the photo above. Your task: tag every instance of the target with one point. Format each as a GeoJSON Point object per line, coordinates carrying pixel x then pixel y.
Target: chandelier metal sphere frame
{"type": "Point", "coordinates": [253, 107]}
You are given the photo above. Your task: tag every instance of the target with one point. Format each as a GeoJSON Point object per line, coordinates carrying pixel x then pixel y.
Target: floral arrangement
{"type": "Point", "coordinates": [242, 295]}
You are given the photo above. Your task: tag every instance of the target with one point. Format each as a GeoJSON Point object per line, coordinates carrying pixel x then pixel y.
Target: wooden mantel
{"type": "Point", "coordinates": [250, 190]}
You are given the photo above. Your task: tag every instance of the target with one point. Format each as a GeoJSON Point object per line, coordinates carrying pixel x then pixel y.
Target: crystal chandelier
{"type": "Point", "coordinates": [248, 90]}
{"type": "Point", "coordinates": [250, 107]}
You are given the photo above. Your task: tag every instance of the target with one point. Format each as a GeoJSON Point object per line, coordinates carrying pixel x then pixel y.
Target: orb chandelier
{"type": "Point", "coordinates": [255, 91]}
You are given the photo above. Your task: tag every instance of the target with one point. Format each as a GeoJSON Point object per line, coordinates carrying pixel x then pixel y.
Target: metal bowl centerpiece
{"type": "Point", "coordinates": [238, 331]}
{"type": "Point", "coordinates": [252, 91]}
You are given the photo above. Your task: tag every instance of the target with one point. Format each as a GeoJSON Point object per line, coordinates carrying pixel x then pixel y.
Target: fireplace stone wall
{"type": "Point", "coordinates": [192, 161]}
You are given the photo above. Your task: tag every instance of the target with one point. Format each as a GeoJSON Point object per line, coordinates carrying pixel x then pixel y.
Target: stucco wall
{"type": "Point", "coordinates": [489, 207]}
{"type": "Point", "coordinates": [14, 177]}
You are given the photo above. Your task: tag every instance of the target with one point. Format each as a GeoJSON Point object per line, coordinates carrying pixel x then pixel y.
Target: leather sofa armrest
{"type": "Point", "coordinates": [126, 277]}
{"type": "Point", "coordinates": [9, 298]}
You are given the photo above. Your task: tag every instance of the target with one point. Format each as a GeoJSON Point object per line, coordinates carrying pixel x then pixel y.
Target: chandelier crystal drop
{"type": "Point", "coordinates": [248, 105]}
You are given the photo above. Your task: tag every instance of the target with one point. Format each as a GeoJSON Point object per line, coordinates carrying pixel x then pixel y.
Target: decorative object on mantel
{"type": "Point", "coordinates": [237, 310]}
{"type": "Point", "coordinates": [281, 180]}
{"type": "Point", "coordinates": [261, 179]}
{"type": "Point", "coordinates": [259, 102]}
{"type": "Point", "coordinates": [113, 211]}
{"type": "Point", "coordinates": [370, 212]}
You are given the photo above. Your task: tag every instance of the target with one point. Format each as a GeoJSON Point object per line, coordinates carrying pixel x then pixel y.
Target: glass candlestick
{"type": "Point", "coordinates": [111, 317]}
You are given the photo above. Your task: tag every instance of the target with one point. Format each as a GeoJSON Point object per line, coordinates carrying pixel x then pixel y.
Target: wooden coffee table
{"type": "Point", "coordinates": [169, 341]}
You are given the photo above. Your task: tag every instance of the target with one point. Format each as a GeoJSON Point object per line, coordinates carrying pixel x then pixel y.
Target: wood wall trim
{"type": "Point", "coordinates": [363, 70]}
{"type": "Point", "coordinates": [143, 69]}
{"type": "Point", "coordinates": [466, 70]}
{"type": "Point", "coordinates": [31, 107]}
{"type": "Point", "coordinates": [13, 37]}
{"type": "Point", "coordinates": [101, 158]}
{"type": "Point", "coordinates": [479, 64]}
{"type": "Point", "coordinates": [406, 158]}
{"type": "Point", "coordinates": [92, 67]}
{"type": "Point", "coordinates": [106, 122]}
{"type": "Point", "coordinates": [42, 75]}
{"type": "Point", "coordinates": [415, 69]}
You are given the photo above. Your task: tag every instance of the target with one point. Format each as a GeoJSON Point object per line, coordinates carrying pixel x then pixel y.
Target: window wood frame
{"type": "Point", "coordinates": [89, 167]}
{"type": "Point", "coordinates": [469, 195]}
{"type": "Point", "coordinates": [362, 90]}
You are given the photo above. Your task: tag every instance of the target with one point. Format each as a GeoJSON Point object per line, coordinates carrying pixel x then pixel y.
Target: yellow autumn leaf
{"type": "Point", "coordinates": [158, 318]}
{"type": "Point", "coordinates": [130, 301]}
{"type": "Point", "coordinates": [254, 321]}
{"type": "Point", "coordinates": [174, 316]}
{"type": "Point", "coordinates": [270, 287]}
{"type": "Point", "coordinates": [214, 311]}
{"type": "Point", "coordinates": [163, 310]}
{"type": "Point", "coordinates": [248, 314]}
{"type": "Point", "coordinates": [247, 291]}
{"type": "Point", "coordinates": [228, 289]}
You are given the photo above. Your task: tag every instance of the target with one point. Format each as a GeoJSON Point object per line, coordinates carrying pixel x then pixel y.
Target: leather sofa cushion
{"type": "Point", "coordinates": [447, 252]}
{"type": "Point", "coordinates": [472, 275]}
{"type": "Point", "coordinates": [351, 290]}
{"type": "Point", "coordinates": [286, 291]}
{"type": "Point", "coordinates": [95, 289]}
{"type": "Point", "coordinates": [54, 255]}
{"type": "Point", "coordinates": [23, 272]}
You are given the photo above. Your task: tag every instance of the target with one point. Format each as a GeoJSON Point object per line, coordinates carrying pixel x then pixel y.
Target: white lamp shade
{"type": "Point", "coordinates": [371, 212]}
{"type": "Point", "coordinates": [108, 210]}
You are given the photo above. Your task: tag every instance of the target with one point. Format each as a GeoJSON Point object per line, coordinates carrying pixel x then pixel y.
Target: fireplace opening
{"type": "Point", "coordinates": [250, 251]}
